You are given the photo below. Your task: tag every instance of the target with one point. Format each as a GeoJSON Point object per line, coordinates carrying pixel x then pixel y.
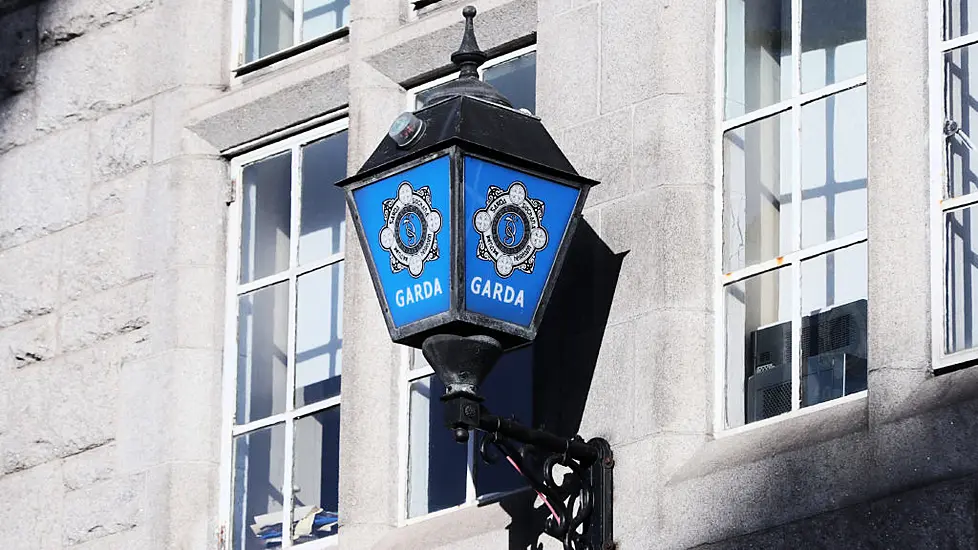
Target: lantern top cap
{"type": "Point", "coordinates": [468, 58]}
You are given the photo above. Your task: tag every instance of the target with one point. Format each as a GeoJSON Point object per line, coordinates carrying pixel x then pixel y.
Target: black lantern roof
{"type": "Point", "coordinates": [482, 126]}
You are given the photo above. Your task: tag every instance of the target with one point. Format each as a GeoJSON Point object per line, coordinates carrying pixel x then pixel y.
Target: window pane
{"type": "Point", "coordinates": [317, 466]}
{"type": "Point", "coordinates": [323, 222]}
{"type": "Point", "coordinates": [321, 17]}
{"type": "Point", "coordinates": [263, 333]}
{"type": "Point", "coordinates": [833, 161]}
{"type": "Point", "coordinates": [833, 325]}
{"type": "Point", "coordinates": [961, 108]}
{"type": "Point", "coordinates": [758, 333]}
{"type": "Point", "coordinates": [758, 54]}
{"type": "Point", "coordinates": [757, 192]}
{"type": "Point", "coordinates": [509, 388]}
{"type": "Point", "coordinates": [269, 27]}
{"type": "Point", "coordinates": [517, 80]}
{"type": "Point", "coordinates": [318, 336]}
{"type": "Point", "coordinates": [960, 17]}
{"type": "Point", "coordinates": [259, 471]}
{"type": "Point", "coordinates": [437, 465]}
{"type": "Point", "coordinates": [266, 217]}
{"type": "Point", "coordinates": [833, 42]}
{"type": "Point", "coordinates": [961, 268]}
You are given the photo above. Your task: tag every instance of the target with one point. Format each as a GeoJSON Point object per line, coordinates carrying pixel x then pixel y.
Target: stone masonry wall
{"type": "Point", "coordinates": [111, 275]}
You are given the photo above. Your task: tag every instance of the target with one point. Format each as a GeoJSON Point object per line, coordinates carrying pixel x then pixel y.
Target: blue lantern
{"type": "Point", "coordinates": [465, 212]}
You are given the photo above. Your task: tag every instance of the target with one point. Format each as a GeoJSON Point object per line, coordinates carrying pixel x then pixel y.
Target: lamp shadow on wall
{"type": "Point", "coordinates": [565, 354]}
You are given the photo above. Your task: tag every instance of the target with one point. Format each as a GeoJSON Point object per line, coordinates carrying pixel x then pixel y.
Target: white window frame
{"type": "Point", "coordinates": [792, 260]}
{"type": "Point", "coordinates": [239, 35]}
{"type": "Point", "coordinates": [941, 206]}
{"type": "Point", "coordinates": [233, 291]}
{"type": "Point", "coordinates": [409, 374]}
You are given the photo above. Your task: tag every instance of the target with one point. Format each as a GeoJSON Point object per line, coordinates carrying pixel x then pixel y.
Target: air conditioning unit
{"type": "Point", "coordinates": [833, 360]}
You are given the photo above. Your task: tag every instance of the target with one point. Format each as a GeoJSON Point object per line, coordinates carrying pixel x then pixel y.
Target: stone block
{"type": "Point", "coordinates": [673, 366]}
{"type": "Point", "coordinates": [72, 84]}
{"type": "Point", "coordinates": [673, 141]}
{"type": "Point", "coordinates": [103, 508]}
{"type": "Point", "coordinates": [100, 254]}
{"type": "Point", "coordinates": [668, 236]}
{"type": "Point", "coordinates": [376, 101]}
{"type": "Point", "coordinates": [551, 8]}
{"type": "Point", "coordinates": [57, 419]}
{"type": "Point", "coordinates": [18, 50]}
{"type": "Point", "coordinates": [66, 20]}
{"type": "Point", "coordinates": [170, 113]}
{"type": "Point", "coordinates": [181, 509]}
{"type": "Point", "coordinates": [601, 149]}
{"type": "Point", "coordinates": [124, 194]}
{"type": "Point", "coordinates": [117, 311]}
{"type": "Point", "coordinates": [568, 97]}
{"type": "Point", "coordinates": [635, 68]}
{"type": "Point", "coordinates": [188, 303]}
{"type": "Point", "coordinates": [90, 467]}
{"type": "Point", "coordinates": [29, 173]}
{"type": "Point", "coordinates": [27, 343]}
{"type": "Point", "coordinates": [183, 212]}
{"type": "Point", "coordinates": [121, 142]}
{"type": "Point", "coordinates": [32, 508]}
{"type": "Point", "coordinates": [169, 409]}
{"type": "Point", "coordinates": [29, 280]}
{"type": "Point", "coordinates": [17, 120]}
{"type": "Point", "coordinates": [609, 400]}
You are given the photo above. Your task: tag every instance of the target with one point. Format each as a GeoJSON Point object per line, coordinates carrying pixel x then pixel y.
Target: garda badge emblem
{"type": "Point", "coordinates": [511, 229]}
{"type": "Point", "coordinates": [409, 233]}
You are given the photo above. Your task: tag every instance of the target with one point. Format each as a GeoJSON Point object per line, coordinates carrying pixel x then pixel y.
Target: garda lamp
{"type": "Point", "coordinates": [464, 213]}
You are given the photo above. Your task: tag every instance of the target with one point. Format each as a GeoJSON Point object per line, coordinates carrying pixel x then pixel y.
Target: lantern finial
{"type": "Point", "coordinates": [469, 57]}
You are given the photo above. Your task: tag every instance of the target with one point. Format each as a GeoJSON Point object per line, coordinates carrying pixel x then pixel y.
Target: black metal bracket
{"type": "Point", "coordinates": [580, 503]}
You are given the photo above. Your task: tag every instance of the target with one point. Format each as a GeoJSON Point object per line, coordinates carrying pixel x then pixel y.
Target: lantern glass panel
{"type": "Point", "coordinates": [515, 223]}
{"type": "Point", "coordinates": [405, 220]}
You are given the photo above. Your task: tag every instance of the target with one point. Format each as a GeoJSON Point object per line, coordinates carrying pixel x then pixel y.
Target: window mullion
{"type": "Point", "coordinates": [796, 203]}
{"type": "Point", "coordinates": [297, 15]}
{"type": "Point", "coordinates": [288, 484]}
{"type": "Point", "coordinates": [470, 493]}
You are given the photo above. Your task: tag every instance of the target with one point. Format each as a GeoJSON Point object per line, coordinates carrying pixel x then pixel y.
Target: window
{"type": "Point", "coordinates": [272, 26]}
{"type": "Point", "coordinates": [956, 182]}
{"type": "Point", "coordinates": [284, 350]}
{"type": "Point", "coordinates": [440, 473]}
{"type": "Point", "coordinates": [793, 228]}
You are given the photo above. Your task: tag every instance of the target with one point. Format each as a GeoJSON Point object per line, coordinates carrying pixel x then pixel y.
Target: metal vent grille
{"type": "Point", "coordinates": [776, 400]}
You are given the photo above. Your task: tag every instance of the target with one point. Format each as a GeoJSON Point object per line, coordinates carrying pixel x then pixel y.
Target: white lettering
{"type": "Point", "coordinates": [494, 291]}
{"type": "Point", "coordinates": [418, 292]}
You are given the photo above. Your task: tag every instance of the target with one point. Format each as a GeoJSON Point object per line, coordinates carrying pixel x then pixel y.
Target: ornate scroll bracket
{"type": "Point", "coordinates": [580, 502]}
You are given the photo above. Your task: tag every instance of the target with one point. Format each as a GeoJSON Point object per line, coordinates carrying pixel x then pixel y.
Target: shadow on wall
{"type": "Point", "coordinates": [565, 354]}
{"type": "Point", "coordinates": [18, 47]}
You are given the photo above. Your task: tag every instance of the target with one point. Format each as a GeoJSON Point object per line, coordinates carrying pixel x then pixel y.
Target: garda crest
{"type": "Point", "coordinates": [410, 230]}
{"type": "Point", "coordinates": [511, 229]}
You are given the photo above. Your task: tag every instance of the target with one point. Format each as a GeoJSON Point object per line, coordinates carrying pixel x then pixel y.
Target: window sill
{"type": "Point", "coordinates": [484, 500]}
{"type": "Point", "coordinates": [281, 55]}
{"type": "Point", "coordinates": [791, 431]}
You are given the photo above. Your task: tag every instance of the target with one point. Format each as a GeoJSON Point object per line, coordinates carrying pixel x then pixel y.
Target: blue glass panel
{"type": "Point", "coordinates": [514, 225]}
{"type": "Point", "coordinates": [405, 218]}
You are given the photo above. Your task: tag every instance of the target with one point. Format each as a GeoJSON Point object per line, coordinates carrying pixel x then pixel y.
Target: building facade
{"type": "Point", "coordinates": [768, 310]}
